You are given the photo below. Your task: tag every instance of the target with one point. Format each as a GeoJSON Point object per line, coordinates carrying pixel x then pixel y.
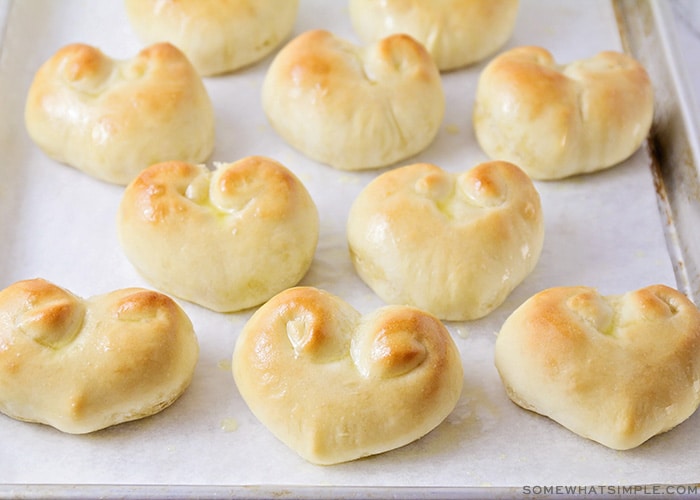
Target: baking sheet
{"type": "Point", "coordinates": [649, 30]}
{"type": "Point", "coordinates": [602, 230]}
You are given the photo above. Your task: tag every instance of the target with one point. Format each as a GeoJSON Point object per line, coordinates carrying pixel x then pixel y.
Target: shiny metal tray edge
{"type": "Point", "coordinates": [255, 492]}
{"type": "Point", "coordinates": [646, 29]}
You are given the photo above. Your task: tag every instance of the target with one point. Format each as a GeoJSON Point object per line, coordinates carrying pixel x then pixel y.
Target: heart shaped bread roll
{"type": "Point", "coordinates": [217, 36]}
{"type": "Point", "coordinates": [354, 107]}
{"type": "Point", "coordinates": [334, 385]}
{"type": "Point", "coordinates": [617, 369]}
{"type": "Point", "coordinates": [83, 365]}
{"type": "Point", "coordinates": [111, 119]}
{"type": "Point", "coordinates": [557, 121]}
{"type": "Point", "coordinates": [452, 245]}
{"type": "Point", "coordinates": [456, 33]}
{"type": "Point", "coordinates": [228, 239]}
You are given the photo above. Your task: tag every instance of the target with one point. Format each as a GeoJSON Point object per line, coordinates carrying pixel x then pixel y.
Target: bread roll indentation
{"type": "Point", "coordinates": [241, 233]}
{"type": "Point", "coordinates": [454, 245]}
{"type": "Point", "coordinates": [81, 365]}
{"type": "Point", "coordinates": [614, 369]}
{"type": "Point", "coordinates": [334, 385]}
{"type": "Point", "coordinates": [113, 118]}
{"type": "Point", "coordinates": [556, 121]}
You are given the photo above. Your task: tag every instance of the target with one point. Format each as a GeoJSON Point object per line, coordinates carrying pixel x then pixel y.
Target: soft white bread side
{"type": "Point", "coordinates": [81, 365]}
{"type": "Point", "coordinates": [557, 121]}
{"type": "Point", "coordinates": [456, 33]}
{"type": "Point", "coordinates": [335, 386]}
{"type": "Point", "coordinates": [228, 239]}
{"type": "Point", "coordinates": [111, 119]}
{"type": "Point", "coordinates": [218, 36]}
{"type": "Point", "coordinates": [454, 245]}
{"type": "Point", "coordinates": [617, 369]}
{"type": "Point", "coordinates": [354, 107]}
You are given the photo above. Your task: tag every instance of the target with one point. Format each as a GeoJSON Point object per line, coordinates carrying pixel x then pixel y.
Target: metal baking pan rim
{"type": "Point", "coordinates": [297, 492]}
{"type": "Point", "coordinates": [646, 30]}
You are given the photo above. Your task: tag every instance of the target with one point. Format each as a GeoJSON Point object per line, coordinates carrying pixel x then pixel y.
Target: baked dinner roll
{"type": "Point", "coordinates": [217, 36]}
{"type": "Point", "coordinates": [454, 245]}
{"type": "Point", "coordinates": [81, 365]}
{"type": "Point", "coordinates": [557, 121]}
{"type": "Point", "coordinates": [617, 369]}
{"type": "Point", "coordinates": [111, 119]}
{"type": "Point", "coordinates": [334, 385]}
{"type": "Point", "coordinates": [354, 107]}
{"type": "Point", "coordinates": [456, 33]}
{"type": "Point", "coordinates": [228, 239]}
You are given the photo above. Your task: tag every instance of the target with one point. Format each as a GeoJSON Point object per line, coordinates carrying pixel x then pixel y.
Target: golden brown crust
{"type": "Point", "coordinates": [55, 323]}
{"type": "Point", "coordinates": [453, 245]}
{"type": "Point", "coordinates": [617, 370]}
{"type": "Point", "coordinates": [218, 36]}
{"type": "Point", "coordinates": [456, 33]}
{"type": "Point", "coordinates": [245, 231]}
{"type": "Point", "coordinates": [111, 119]}
{"type": "Point", "coordinates": [336, 386]}
{"type": "Point", "coordinates": [83, 365]}
{"type": "Point", "coordinates": [354, 107]}
{"type": "Point", "coordinates": [556, 121]}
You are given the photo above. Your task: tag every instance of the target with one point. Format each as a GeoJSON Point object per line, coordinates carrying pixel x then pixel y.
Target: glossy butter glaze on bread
{"type": "Point", "coordinates": [615, 369]}
{"type": "Point", "coordinates": [227, 239]}
{"type": "Point", "coordinates": [454, 245]}
{"type": "Point", "coordinates": [354, 107]}
{"type": "Point", "coordinates": [335, 385]}
{"type": "Point", "coordinates": [113, 118]}
{"type": "Point", "coordinates": [81, 365]}
{"type": "Point", "coordinates": [555, 121]}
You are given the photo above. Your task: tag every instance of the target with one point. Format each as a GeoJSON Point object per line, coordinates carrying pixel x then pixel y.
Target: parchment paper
{"type": "Point", "coordinates": [602, 230]}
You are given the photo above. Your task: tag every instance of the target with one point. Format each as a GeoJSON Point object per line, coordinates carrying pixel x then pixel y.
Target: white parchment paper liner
{"type": "Point", "coordinates": [602, 230]}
